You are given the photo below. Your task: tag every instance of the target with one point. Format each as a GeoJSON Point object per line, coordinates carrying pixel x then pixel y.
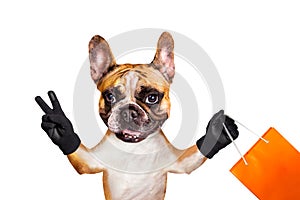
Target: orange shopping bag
{"type": "Point", "coordinates": [273, 170]}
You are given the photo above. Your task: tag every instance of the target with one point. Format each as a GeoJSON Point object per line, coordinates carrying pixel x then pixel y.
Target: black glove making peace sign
{"type": "Point", "coordinates": [57, 126]}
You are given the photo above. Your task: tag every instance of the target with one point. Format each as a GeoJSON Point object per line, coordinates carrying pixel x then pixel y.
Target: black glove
{"type": "Point", "coordinates": [216, 137]}
{"type": "Point", "coordinates": [57, 126]}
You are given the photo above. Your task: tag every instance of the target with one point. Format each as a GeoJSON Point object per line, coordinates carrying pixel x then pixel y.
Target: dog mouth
{"type": "Point", "coordinates": [132, 124]}
{"type": "Point", "coordinates": [130, 136]}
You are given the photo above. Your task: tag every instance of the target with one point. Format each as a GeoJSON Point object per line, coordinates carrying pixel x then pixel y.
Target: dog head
{"type": "Point", "coordinates": [134, 101]}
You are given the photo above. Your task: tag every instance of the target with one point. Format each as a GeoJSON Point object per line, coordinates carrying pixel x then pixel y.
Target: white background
{"type": "Point", "coordinates": [255, 46]}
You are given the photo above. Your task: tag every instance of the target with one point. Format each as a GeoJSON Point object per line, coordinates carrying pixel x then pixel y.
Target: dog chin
{"type": "Point", "coordinates": [132, 136]}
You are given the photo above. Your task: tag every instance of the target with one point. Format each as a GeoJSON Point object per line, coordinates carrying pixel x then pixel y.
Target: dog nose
{"type": "Point", "coordinates": [129, 114]}
{"type": "Point", "coordinates": [132, 114]}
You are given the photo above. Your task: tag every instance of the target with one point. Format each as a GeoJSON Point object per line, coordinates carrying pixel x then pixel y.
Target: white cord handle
{"type": "Point", "coordinates": [266, 141]}
{"type": "Point", "coordinates": [245, 161]}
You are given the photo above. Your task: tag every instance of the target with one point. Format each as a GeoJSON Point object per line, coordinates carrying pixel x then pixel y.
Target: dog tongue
{"type": "Point", "coordinates": [132, 133]}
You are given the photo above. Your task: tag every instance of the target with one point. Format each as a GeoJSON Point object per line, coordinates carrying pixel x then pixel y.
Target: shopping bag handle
{"type": "Point", "coordinates": [229, 135]}
{"type": "Point", "coordinates": [266, 141]}
{"type": "Point", "coordinates": [226, 130]}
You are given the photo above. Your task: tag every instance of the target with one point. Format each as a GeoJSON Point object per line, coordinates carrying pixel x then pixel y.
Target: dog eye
{"type": "Point", "coordinates": [110, 98]}
{"type": "Point", "coordinates": [151, 99]}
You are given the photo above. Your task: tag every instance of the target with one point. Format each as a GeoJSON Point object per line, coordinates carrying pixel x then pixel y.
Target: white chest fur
{"type": "Point", "coordinates": [150, 155]}
{"type": "Point", "coordinates": [135, 170]}
{"type": "Point", "coordinates": [125, 186]}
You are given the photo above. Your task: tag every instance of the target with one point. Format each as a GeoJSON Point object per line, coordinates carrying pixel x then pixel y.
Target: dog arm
{"type": "Point", "coordinates": [84, 162]}
{"type": "Point", "coordinates": [189, 160]}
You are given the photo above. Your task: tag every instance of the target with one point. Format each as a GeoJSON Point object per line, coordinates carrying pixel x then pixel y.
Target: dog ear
{"type": "Point", "coordinates": [164, 56]}
{"type": "Point", "coordinates": [101, 58]}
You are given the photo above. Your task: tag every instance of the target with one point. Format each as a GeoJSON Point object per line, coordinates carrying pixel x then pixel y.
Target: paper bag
{"type": "Point", "coordinates": [273, 170]}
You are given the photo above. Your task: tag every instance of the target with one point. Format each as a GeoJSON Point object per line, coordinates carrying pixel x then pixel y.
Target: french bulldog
{"type": "Point", "coordinates": [134, 155]}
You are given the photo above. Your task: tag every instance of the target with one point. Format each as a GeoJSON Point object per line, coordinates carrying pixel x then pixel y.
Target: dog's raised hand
{"type": "Point", "coordinates": [216, 137]}
{"type": "Point", "coordinates": [57, 126]}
